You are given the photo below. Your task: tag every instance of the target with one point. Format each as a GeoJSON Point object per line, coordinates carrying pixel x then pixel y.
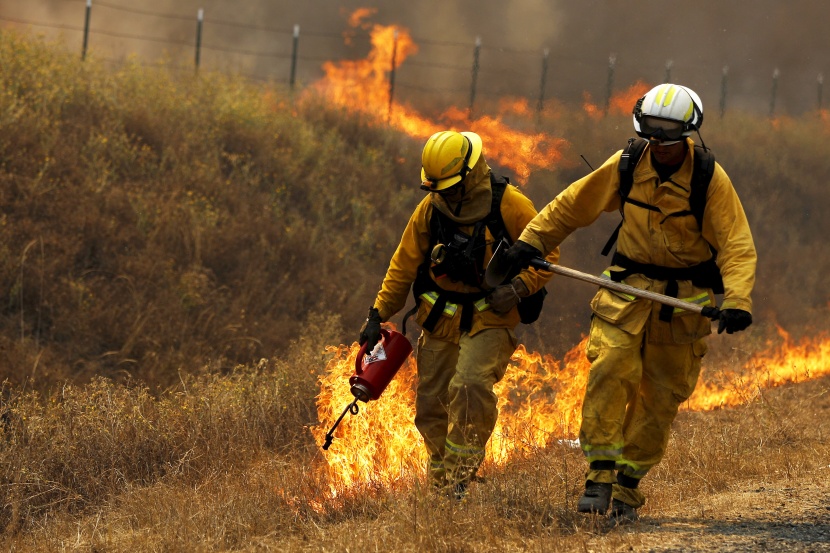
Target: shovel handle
{"type": "Point", "coordinates": [707, 311]}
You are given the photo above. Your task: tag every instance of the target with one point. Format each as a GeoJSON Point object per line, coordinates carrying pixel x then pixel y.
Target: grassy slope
{"type": "Point", "coordinates": [151, 224]}
{"type": "Point", "coordinates": [173, 231]}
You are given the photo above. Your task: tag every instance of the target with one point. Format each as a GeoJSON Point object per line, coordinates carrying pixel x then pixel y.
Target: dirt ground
{"type": "Point", "coordinates": [773, 517]}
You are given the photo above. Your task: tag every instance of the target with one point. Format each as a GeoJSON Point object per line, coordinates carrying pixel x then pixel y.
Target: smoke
{"type": "Point", "coordinates": [709, 45]}
{"type": "Point", "coordinates": [690, 42]}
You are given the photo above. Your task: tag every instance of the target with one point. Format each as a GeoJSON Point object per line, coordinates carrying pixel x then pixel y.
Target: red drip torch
{"type": "Point", "coordinates": [374, 372]}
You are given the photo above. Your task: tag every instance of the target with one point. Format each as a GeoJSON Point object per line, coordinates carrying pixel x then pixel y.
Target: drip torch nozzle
{"type": "Point", "coordinates": [350, 408]}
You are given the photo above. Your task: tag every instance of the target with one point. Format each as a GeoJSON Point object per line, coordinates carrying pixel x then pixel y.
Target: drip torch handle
{"type": "Point", "coordinates": [350, 408]}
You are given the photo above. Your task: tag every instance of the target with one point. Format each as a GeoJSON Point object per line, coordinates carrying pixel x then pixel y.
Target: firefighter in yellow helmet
{"type": "Point", "coordinates": [467, 334]}
{"type": "Point", "coordinates": [645, 358]}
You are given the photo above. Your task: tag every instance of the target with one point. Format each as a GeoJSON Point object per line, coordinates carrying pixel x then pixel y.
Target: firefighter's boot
{"type": "Point", "coordinates": [622, 513]}
{"type": "Point", "coordinates": [459, 491]}
{"type": "Point", "coordinates": [595, 498]}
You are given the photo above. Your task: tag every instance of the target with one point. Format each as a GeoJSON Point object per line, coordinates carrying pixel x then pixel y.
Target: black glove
{"type": "Point", "coordinates": [519, 255]}
{"type": "Point", "coordinates": [370, 331]}
{"type": "Point", "coordinates": [733, 320]}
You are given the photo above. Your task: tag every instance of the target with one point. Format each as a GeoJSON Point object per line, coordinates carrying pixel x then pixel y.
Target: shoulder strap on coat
{"type": "Point", "coordinates": [628, 162]}
{"type": "Point", "coordinates": [498, 184]}
{"type": "Point", "coordinates": [701, 177]}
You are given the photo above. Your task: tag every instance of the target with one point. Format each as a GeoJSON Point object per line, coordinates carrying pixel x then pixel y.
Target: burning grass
{"type": "Point", "coordinates": [212, 473]}
{"type": "Point", "coordinates": [160, 235]}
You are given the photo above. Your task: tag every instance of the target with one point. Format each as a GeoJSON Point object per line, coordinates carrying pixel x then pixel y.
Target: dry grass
{"type": "Point", "coordinates": [176, 252]}
{"type": "Point", "coordinates": [151, 224]}
{"type": "Point", "coordinates": [248, 495]}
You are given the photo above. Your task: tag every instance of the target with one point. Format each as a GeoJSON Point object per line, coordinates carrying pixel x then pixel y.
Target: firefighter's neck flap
{"type": "Point", "coordinates": [474, 204]}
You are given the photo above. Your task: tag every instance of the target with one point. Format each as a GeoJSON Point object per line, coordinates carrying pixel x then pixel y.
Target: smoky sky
{"type": "Point", "coordinates": [691, 43]}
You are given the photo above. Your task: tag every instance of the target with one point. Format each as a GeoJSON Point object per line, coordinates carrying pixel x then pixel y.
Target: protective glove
{"type": "Point", "coordinates": [507, 296]}
{"type": "Point", "coordinates": [519, 255]}
{"type": "Point", "coordinates": [733, 320]}
{"type": "Point", "coordinates": [370, 331]}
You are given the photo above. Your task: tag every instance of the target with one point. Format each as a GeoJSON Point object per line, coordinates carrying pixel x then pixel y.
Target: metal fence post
{"type": "Point", "coordinates": [475, 77]}
{"type": "Point", "coordinates": [392, 75]}
{"type": "Point", "coordinates": [541, 105]}
{"type": "Point", "coordinates": [86, 28]}
{"type": "Point", "coordinates": [723, 91]}
{"type": "Point", "coordinates": [294, 47]}
{"type": "Point", "coordinates": [200, 17]}
{"type": "Point", "coordinates": [774, 91]}
{"type": "Point", "coordinates": [609, 85]}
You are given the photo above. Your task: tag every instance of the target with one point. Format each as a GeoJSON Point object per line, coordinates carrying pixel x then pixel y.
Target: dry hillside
{"type": "Point", "coordinates": [178, 251]}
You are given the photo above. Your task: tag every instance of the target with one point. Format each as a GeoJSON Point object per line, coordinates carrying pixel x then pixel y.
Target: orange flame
{"type": "Point", "coordinates": [362, 86]}
{"type": "Point", "coordinates": [540, 401]}
{"type": "Point", "coordinates": [357, 17]}
{"type": "Point", "coordinates": [380, 442]}
{"type": "Point", "coordinates": [620, 103]}
{"type": "Point", "coordinates": [789, 362]}
{"type": "Point", "coordinates": [593, 110]}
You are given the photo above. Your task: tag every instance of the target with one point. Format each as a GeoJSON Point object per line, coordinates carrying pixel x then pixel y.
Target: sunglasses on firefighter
{"type": "Point", "coordinates": [661, 129]}
{"type": "Point", "coordinates": [430, 184]}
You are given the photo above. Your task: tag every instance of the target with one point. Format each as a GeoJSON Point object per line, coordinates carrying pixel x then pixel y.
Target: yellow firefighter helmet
{"type": "Point", "coordinates": [447, 158]}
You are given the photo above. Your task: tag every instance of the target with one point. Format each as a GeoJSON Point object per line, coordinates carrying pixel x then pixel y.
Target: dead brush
{"type": "Point", "coordinates": [770, 437]}
{"type": "Point", "coordinates": [83, 445]}
{"type": "Point", "coordinates": [179, 220]}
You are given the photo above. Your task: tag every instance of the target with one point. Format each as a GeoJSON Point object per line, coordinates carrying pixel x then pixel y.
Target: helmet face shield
{"type": "Point", "coordinates": [661, 129]}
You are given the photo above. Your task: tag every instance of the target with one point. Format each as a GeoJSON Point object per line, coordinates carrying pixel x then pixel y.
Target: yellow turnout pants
{"type": "Point", "coordinates": [455, 407]}
{"type": "Point", "coordinates": [636, 385]}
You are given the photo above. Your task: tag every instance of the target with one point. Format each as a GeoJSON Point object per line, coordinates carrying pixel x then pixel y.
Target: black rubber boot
{"type": "Point", "coordinates": [623, 513]}
{"type": "Point", "coordinates": [595, 499]}
{"type": "Point", "coordinates": [459, 491]}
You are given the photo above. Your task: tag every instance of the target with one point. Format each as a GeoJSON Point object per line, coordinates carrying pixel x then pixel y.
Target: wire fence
{"type": "Point", "coordinates": [494, 70]}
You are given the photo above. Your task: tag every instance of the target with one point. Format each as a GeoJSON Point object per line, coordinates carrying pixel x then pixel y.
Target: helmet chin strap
{"type": "Point", "coordinates": [702, 143]}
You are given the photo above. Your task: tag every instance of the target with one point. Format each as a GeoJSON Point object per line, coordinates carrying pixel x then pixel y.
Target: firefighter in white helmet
{"type": "Point", "coordinates": [645, 357]}
{"type": "Point", "coordinates": [467, 334]}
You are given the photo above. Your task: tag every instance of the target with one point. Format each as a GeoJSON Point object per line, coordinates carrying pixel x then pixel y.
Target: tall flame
{"type": "Point", "coordinates": [540, 401]}
{"type": "Point", "coordinates": [791, 361]}
{"type": "Point", "coordinates": [362, 86]}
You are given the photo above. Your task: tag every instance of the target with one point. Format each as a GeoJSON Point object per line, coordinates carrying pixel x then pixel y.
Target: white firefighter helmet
{"type": "Point", "coordinates": [668, 112]}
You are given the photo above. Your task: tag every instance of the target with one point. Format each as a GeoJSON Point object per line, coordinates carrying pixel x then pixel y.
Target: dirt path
{"type": "Point", "coordinates": [772, 517]}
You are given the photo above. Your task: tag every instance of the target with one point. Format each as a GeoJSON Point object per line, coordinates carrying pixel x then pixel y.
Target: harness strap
{"type": "Point", "coordinates": [435, 313]}
{"type": "Point", "coordinates": [466, 324]}
{"type": "Point", "coordinates": [701, 276]}
{"type": "Point", "coordinates": [465, 302]}
{"type": "Point", "coordinates": [423, 281]}
{"type": "Point", "coordinates": [406, 317]}
{"type": "Point", "coordinates": [612, 239]}
{"type": "Point", "coordinates": [667, 311]}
